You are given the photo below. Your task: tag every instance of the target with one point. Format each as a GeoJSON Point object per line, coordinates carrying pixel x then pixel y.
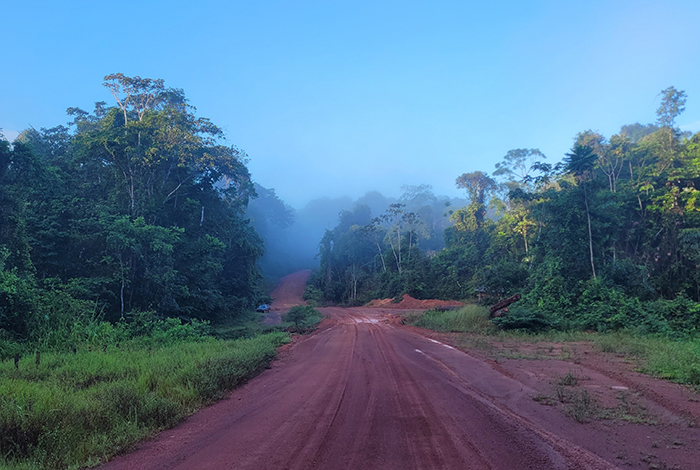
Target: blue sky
{"type": "Point", "coordinates": [332, 98]}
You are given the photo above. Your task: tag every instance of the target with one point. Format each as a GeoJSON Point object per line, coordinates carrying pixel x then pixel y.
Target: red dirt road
{"type": "Point", "coordinates": [364, 392]}
{"type": "Point", "coordinates": [288, 293]}
{"type": "Point", "coordinates": [361, 393]}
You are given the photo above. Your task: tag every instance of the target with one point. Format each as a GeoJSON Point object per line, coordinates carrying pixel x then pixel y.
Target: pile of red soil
{"type": "Point", "coordinates": [408, 302]}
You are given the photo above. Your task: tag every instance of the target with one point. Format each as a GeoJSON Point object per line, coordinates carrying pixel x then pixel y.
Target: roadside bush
{"type": "Point", "coordinates": [8, 347]}
{"type": "Point", "coordinates": [313, 295]}
{"type": "Point", "coordinates": [629, 278]}
{"type": "Point", "coordinates": [18, 302]}
{"type": "Point", "coordinates": [504, 278]}
{"type": "Point", "coordinates": [519, 318]}
{"type": "Point", "coordinates": [679, 317]}
{"type": "Point", "coordinates": [303, 317]}
{"type": "Point", "coordinates": [603, 308]}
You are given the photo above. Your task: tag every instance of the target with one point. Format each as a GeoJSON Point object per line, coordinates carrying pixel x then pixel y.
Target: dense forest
{"type": "Point", "coordinates": [607, 238]}
{"type": "Point", "coordinates": [138, 206]}
{"type": "Point", "coordinates": [142, 206]}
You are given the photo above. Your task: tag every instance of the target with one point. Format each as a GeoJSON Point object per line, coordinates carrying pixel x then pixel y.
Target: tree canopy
{"type": "Point", "coordinates": [131, 207]}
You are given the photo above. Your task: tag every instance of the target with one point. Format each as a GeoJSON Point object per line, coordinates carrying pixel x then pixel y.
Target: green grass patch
{"type": "Point", "coordinates": [78, 409]}
{"type": "Point", "coordinates": [467, 319]}
{"type": "Point", "coordinates": [676, 360]}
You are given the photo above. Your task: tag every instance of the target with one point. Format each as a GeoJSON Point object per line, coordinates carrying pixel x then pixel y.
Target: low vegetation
{"type": "Point", "coordinates": [666, 356]}
{"type": "Point", "coordinates": [471, 319]}
{"type": "Point", "coordinates": [676, 360]}
{"type": "Point", "coordinates": [302, 318]}
{"type": "Point", "coordinates": [77, 399]}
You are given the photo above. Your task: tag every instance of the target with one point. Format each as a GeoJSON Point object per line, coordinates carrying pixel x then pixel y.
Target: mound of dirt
{"type": "Point", "coordinates": [408, 302]}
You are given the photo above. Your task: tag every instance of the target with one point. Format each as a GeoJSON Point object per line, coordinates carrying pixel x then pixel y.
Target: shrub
{"type": "Point", "coordinates": [602, 308]}
{"type": "Point", "coordinates": [678, 317]}
{"type": "Point", "coordinates": [303, 317]}
{"type": "Point", "coordinates": [313, 295]}
{"type": "Point", "coordinates": [520, 318]}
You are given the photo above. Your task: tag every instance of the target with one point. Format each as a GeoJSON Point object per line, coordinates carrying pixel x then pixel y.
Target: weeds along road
{"type": "Point", "coordinates": [363, 393]}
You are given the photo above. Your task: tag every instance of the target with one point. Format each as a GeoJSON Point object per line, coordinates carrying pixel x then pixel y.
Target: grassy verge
{"type": "Point", "coordinates": [77, 409]}
{"type": "Point", "coordinates": [676, 360]}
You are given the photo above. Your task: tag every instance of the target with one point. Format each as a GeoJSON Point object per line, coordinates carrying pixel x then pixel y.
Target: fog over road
{"type": "Point", "coordinates": [362, 392]}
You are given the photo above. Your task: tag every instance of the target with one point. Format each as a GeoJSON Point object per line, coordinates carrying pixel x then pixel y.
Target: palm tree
{"type": "Point", "coordinates": [580, 163]}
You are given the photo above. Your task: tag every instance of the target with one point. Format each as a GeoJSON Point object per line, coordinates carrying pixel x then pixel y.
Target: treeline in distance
{"type": "Point", "coordinates": [607, 238]}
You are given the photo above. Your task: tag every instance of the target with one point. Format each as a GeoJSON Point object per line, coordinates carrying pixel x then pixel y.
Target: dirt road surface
{"type": "Point", "coordinates": [288, 293]}
{"type": "Point", "coordinates": [364, 392]}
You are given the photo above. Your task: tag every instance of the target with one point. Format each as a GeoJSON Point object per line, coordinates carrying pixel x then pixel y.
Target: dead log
{"type": "Point", "coordinates": [503, 306]}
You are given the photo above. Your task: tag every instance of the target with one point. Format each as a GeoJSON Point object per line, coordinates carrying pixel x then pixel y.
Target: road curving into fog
{"type": "Point", "coordinates": [364, 393]}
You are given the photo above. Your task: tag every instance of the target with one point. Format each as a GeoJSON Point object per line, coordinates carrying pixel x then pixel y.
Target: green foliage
{"type": "Point", "coordinates": [469, 319]}
{"type": "Point", "coordinates": [605, 240]}
{"type": "Point", "coordinates": [135, 207]}
{"type": "Point", "coordinates": [313, 295]}
{"type": "Point", "coordinates": [364, 257]}
{"type": "Point", "coordinates": [519, 318]}
{"type": "Point", "coordinates": [78, 408]}
{"type": "Point", "coordinates": [18, 302]}
{"type": "Point", "coordinates": [303, 317]}
{"type": "Point", "coordinates": [676, 360]}
{"type": "Point", "coordinates": [679, 317]}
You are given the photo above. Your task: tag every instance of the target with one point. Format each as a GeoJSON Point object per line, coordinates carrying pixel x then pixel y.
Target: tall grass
{"type": "Point", "coordinates": [467, 319]}
{"type": "Point", "coordinates": [78, 409]}
{"type": "Point", "coordinates": [676, 360]}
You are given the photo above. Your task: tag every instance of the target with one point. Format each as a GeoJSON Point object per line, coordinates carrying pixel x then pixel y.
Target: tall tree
{"type": "Point", "coordinates": [580, 163]}
{"type": "Point", "coordinates": [479, 186]}
{"type": "Point", "coordinates": [517, 167]}
{"type": "Point", "coordinates": [672, 105]}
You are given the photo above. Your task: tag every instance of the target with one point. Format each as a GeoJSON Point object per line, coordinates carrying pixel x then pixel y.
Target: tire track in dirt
{"type": "Point", "coordinates": [439, 450]}
{"type": "Point", "coordinates": [503, 425]}
{"type": "Point", "coordinates": [583, 459]}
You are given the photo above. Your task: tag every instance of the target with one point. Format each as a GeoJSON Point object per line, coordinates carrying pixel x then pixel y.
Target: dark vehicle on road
{"type": "Point", "coordinates": [264, 308]}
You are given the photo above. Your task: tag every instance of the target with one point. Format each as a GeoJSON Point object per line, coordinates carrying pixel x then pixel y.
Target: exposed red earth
{"type": "Point", "coordinates": [409, 303]}
{"type": "Point", "coordinates": [288, 293]}
{"type": "Point", "coordinates": [366, 392]}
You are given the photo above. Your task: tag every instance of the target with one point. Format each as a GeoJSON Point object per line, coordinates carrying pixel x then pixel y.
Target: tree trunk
{"type": "Point", "coordinates": [590, 235]}
{"type": "Point", "coordinates": [381, 255]}
{"type": "Point", "coordinates": [121, 297]}
{"type": "Point", "coordinates": [398, 232]}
